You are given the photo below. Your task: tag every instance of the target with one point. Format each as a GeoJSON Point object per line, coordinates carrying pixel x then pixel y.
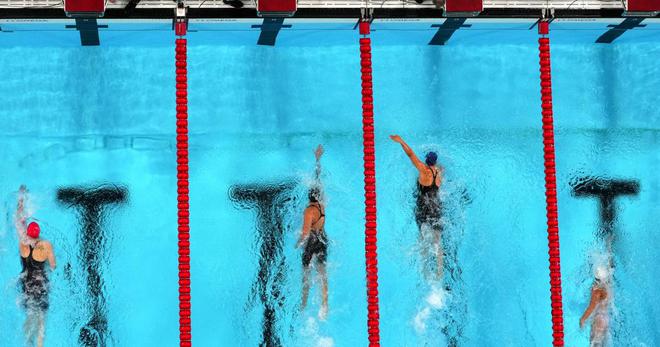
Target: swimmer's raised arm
{"type": "Point", "coordinates": [19, 218]}
{"type": "Point", "coordinates": [409, 152]}
{"type": "Point", "coordinates": [318, 153]}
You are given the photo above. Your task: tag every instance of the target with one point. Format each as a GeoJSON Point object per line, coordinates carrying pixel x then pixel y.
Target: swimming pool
{"type": "Point", "coordinates": [84, 116]}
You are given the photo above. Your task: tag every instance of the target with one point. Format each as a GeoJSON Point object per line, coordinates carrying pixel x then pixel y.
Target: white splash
{"type": "Point", "coordinates": [420, 320]}
{"type": "Point", "coordinates": [323, 313]}
{"type": "Point", "coordinates": [325, 342]}
{"type": "Point", "coordinates": [435, 300]}
{"type": "Point", "coordinates": [311, 332]}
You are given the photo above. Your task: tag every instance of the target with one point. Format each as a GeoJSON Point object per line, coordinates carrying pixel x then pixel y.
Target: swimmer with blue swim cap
{"type": "Point", "coordinates": [431, 158]}
{"type": "Point", "coordinates": [428, 209]}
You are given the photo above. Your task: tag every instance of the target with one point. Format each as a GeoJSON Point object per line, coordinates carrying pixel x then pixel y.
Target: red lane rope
{"type": "Point", "coordinates": [183, 206]}
{"type": "Point", "coordinates": [551, 186]}
{"type": "Point", "coordinates": [369, 187]}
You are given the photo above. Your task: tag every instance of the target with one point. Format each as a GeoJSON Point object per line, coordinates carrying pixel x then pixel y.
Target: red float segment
{"type": "Point", "coordinates": [180, 28]}
{"type": "Point", "coordinates": [183, 206]}
{"type": "Point", "coordinates": [370, 232]}
{"type": "Point", "coordinates": [544, 29]}
{"type": "Point", "coordinates": [551, 184]}
{"type": "Point", "coordinates": [364, 30]}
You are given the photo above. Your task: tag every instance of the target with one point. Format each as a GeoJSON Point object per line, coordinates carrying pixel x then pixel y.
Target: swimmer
{"type": "Point", "coordinates": [599, 308]}
{"type": "Point", "coordinates": [314, 239]}
{"type": "Point", "coordinates": [428, 209]}
{"type": "Point", "coordinates": [34, 253]}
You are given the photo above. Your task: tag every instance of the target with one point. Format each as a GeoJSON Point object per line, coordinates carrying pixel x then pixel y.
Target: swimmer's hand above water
{"type": "Point", "coordinates": [318, 152]}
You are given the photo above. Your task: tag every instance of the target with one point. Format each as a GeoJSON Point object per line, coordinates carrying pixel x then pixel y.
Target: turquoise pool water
{"type": "Point", "coordinates": [85, 116]}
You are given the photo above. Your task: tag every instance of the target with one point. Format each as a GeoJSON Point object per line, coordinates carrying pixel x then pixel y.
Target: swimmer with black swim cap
{"type": "Point", "coordinates": [428, 208]}
{"type": "Point", "coordinates": [314, 194]}
{"type": "Point", "coordinates": [34, 253]}
{"type": "Point", "coordinates": [315, 240]}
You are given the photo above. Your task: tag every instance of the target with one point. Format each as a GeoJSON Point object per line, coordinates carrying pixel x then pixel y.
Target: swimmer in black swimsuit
{"type": "Point", "coordinates": [34, 253]}
{"type": "Point", "coordinates": [314, 239]}
{"type": "Point", "coordinates": [428, 209]}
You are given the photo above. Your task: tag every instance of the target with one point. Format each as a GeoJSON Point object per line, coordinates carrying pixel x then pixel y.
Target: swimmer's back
{"type": "Point", "coordinates": [40, 252]}
{"type": "Point", "coordinates": [317, 213]}
{"type": "Point", "coordinates": [430, 176]}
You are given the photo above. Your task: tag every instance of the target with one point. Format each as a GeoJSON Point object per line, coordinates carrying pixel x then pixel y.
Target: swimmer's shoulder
{"type": "Point", "coordinates": [23, 249]}
{"type": "Point", "coordinates": [313, 210]}
{"type": "Point", "coordinates": [44, 246]}
{"type": "Point", "coordinates": [600, 293]}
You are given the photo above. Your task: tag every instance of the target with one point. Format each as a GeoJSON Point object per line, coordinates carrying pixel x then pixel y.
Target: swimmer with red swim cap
{"type": "Point", "coordinates": [34, 253]}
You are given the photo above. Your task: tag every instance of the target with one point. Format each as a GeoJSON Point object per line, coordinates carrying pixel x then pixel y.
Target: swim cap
{"type": "Point", "coordinates": [33, 230]}
{"type": "Point", "coordinates": [601, 273]}
{"type": "Point", "coordinates": [314, 194]}
{"type": "Point", "coordinates": [431, 158]}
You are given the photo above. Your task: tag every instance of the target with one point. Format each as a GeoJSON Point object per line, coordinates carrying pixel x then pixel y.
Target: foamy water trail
{"type": "Point", "coordinates": [312, 335]}
{"type": "Point", "coordinates": [435, 300]}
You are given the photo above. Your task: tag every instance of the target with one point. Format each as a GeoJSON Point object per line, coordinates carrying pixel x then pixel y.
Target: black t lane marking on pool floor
{"type": "Point", "coordinates": [91, 205]}
{"type": "Point", "coordinates": [270, 202]}
{"type": "Point", "coordinates": [606, 191]}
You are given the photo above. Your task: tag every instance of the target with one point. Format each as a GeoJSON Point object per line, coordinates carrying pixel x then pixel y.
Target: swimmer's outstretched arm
{"type": "Point", "coordinates": [318, 153]}
{"type": "Point", "coordinates": [409, 152]}
{"type": "Point", "coordinates": [19, 218]}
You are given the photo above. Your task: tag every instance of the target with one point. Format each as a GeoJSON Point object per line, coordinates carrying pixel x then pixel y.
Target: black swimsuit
{"type": "Point", "coordinates": [317, 244]}
{"type": "Point", "coordinates": [428, 209]}
{"type": "Point", "coordinates": [34, 283]}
